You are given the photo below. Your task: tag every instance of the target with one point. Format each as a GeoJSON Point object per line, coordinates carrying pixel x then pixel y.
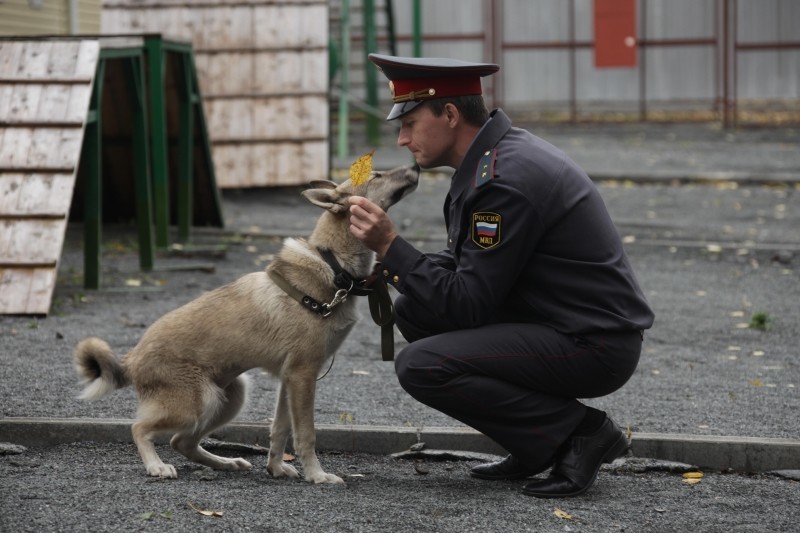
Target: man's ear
{"type": "Point", "coordinates": [327, 198]}
{"type": "Point", "coordinates": [452, 114]}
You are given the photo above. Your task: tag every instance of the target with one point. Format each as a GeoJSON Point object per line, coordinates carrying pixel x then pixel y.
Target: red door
{"type": "Point", "coordinates": [614, 33]}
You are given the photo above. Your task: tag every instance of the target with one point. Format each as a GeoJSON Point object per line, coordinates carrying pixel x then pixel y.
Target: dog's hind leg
{"type": "Point", "coordinates": [144, 430]}
{"type": "Point", "coordinates": [217, 412]}
{"type": "Point", "coordinates": [278, 437]}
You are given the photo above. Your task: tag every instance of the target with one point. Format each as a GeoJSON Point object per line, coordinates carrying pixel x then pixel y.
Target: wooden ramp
{"type": "Point", "coordinates": [45, 88]}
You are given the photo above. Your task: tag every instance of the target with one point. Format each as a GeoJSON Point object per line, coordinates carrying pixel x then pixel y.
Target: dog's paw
{"type": "Point", "coordinates": [162, 470]}
{"type": "Point", "coordinates": [233, 464]}
{"type": "Point", "coordinates": [322, 477]}
{"type": "Point", "coordinates": [282, 469]}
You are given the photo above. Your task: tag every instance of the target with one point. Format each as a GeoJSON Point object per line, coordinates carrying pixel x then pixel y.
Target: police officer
{"type": "Point", "coordinates": [532, 305]}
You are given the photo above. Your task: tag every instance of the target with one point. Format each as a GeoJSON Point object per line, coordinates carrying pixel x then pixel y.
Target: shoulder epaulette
{"type": "Point", "coordinates": [485, 171]}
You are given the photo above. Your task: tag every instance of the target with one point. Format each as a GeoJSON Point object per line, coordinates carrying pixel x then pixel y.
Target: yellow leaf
{"type": "Point", "coordinates": [205, 512]}
{"type": "Point", "coordinates": [288, 457]}
{"type": "Point", "coordinates": [361, 169]}
{"type": "Point", "coordinates": [132, 282]}
{"type": "Point", "coordinates": [691, 481]}
{"type": "Point", "coordinates": [756, 383]}
{"type": "Point", "coordinates": [692, 475]}
{"type": "Point", "coordinates": [561, 514]}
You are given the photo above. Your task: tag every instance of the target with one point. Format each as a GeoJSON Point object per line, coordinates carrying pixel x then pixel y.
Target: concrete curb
{"type": "Point", "coordinates": [743, 454]}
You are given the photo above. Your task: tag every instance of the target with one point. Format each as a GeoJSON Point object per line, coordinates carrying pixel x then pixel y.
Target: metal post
{"type": "Point", "coordinates": [573, 69]}
{"type": "Point", "coordinates": [642, 46]}
{"type": "Point", "coordinates": [93, 190]}
{"type": "Point", "coordinates": [370, 72]}
{"type": "Point", "coordinates": [725, 65]}
{"type": "Point", "coordinates": [734, 62]}
{"type": "Point", "coordinates": [141, 167]}
{"type": "Point", "coordinates": [417, 27]}
{"type": "Point", "coordinates": [188, 98]}
{"type": "Point", "coordinates": [344, 117]}
{"type": "Point", "coordinates": [158, 138]}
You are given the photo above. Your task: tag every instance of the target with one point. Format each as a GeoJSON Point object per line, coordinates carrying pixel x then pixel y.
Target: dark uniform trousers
{"type": "Point", "coordinates": [516, 383]}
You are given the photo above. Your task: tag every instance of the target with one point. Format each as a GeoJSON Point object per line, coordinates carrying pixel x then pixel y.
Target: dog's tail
{"type": "Point", "coordinates": [99, 367]}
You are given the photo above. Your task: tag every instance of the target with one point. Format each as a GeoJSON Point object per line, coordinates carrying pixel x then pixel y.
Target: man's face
{"type": "Point", "coordinates": [429, 138]}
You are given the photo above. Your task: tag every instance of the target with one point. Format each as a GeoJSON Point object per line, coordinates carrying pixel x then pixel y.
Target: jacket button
{"type": "Point", "coordinates": [396, 279]}
{"type": "Point", "coordinates": [385, 273]}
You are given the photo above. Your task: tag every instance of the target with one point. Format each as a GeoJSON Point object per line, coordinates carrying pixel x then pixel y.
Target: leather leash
{"type": "Point", "coordinates": [381, 309]}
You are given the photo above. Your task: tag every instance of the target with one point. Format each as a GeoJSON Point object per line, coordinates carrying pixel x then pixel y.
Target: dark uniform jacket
{"type": "Point", "coordinates": [529, 241]}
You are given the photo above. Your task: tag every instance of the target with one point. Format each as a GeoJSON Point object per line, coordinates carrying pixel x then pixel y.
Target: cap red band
{"type": "Point", "coordinates": [434, 87]}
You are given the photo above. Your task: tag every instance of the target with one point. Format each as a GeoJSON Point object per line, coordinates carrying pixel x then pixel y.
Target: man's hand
{"type": "Point", "coordinates": [371, 225]}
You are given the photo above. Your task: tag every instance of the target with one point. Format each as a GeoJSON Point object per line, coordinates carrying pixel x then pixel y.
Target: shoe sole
{"type": "Point", "coordinates": [616, 451]}
{"type": "Point", "coordinates": [501, 478]}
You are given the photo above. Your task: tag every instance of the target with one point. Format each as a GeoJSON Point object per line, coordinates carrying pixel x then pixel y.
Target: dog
{"type": "Point", "coordinates": [288, 320]}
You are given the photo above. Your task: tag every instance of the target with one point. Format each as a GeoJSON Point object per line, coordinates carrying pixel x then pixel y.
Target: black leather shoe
{"type": "Point", "coordinates": [578, 463]}
{"type": "Point", "coordinates": [508, 468]}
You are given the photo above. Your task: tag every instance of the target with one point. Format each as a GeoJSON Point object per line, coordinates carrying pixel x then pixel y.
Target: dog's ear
{"type": "Point", "coordinates": [329, 199]}
{"type": "Point", "coordinates": [322, 184]}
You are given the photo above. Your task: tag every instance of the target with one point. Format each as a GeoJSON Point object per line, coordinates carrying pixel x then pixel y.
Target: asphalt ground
{"type": "Point", "coordinates": [710, 220]}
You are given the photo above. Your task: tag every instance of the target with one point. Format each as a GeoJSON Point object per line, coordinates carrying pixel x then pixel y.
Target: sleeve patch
{"type": "Point", "coordinates": [486, 229]}
{"type": "Point", "coordinates": [485, 171]}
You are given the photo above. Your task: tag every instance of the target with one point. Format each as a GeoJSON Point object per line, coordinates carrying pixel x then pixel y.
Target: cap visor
{"type": "Point", "coordinates": [398, 110]}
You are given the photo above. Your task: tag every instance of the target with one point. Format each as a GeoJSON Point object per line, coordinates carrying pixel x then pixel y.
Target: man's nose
{"type": "Point", "coordinates": [402, 139]}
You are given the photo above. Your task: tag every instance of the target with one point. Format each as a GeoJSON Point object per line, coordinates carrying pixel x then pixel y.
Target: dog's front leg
{"type": "Point", "coordinates": [278, 437]}
{"type": "Point", "coordinates": [301, 389]}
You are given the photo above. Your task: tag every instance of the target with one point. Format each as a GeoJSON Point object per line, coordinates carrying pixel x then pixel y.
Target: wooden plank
{"type": "Point", "coordinates": [314, 29]}
{"type": "Point", "coordinates": [68, 148]}
{"type": "Point", "coordinates": [314, 71]}
{"type": "Point", "coordinates": [10, 54]}
{"type": "Point", "coordinates": [54, 104]}
{"type": "Point", "coordinates": [314, 162]}
{"type": "Point", "coordinates": [63, 59]}
{"type": "Point", "coordinates": [228, 73]}
{"type": "Point", "coordinates": [35, 194]}
{"type": "Point", "coordinates": [230, 119]}
{"type": "Point", "coordinates": [26, 291]}
{"type": "Point", "coordinates": [15, 146]}
{"type": "Point", "coordinates": [6, 93]}
{"type": "Point", "coordinates": [40, 294]}
{"type": "Point", "coordinates": [5, 236]}
{"type": "Point", "coordinates": [86, 63]}
{"type": "Point", "coordinates": [232, 165]}
{"type": "Point", "coordinates": [24, 102]}
{"type": "Point", "coordinates": [78, 104]}
{"type": "Point", "coordinates": [15, 285]}
{"type": "Point", "coordinates": [33, 241]}
{"type": "Point", "coordinates": [35, 56]}
{"type": "Point", "coordinates": [43, 148]}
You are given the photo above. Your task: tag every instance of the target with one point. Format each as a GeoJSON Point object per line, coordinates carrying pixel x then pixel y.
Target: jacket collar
{"type": "Point", "coordinates": [486, 139]}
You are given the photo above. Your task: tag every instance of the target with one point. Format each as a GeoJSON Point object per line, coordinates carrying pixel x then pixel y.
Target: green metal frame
{"type": "Point", "coordinates": [191, 120]}
{"type": "Point", "coordinates": [133, 63]}
{"type": "Point", "coordinates": [150, 150]}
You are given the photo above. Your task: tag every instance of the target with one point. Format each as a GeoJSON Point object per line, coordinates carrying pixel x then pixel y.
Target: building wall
{"type": "Point", "coordinates": [48, 17]}
{"type": "Point", "coordinates": [535, 77]}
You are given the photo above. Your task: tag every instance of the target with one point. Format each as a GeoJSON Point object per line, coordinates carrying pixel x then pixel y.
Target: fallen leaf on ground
{"type": "Point", "coordinates": [205, 512]}
{"type": "Point", "coordinates": [287, 457]}
{"type": "Point", "coordinates": [692, 478]}
{"type": "Point", "coordinates": [561, 514]}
